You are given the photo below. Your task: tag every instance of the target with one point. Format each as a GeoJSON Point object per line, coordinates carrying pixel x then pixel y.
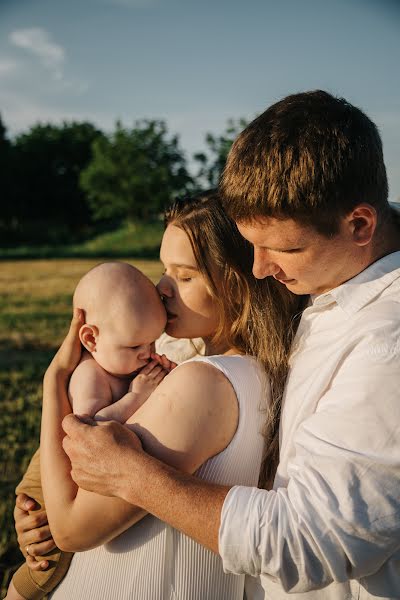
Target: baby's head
{"type": "Point", "coordinates": [123, 316]}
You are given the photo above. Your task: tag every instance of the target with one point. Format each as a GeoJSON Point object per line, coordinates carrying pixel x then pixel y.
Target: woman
{"type": "Point", "coordinates": [204, 417]}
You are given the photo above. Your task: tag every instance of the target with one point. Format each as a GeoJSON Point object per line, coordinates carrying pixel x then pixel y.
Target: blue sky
{"type": "Point", "coordinates": [197, 63]}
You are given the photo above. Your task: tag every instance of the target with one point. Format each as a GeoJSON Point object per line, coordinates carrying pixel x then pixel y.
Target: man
{"type": "Point", "coordinates": [306, 184]}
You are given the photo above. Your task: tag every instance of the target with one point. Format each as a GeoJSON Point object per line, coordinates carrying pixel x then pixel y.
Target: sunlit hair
{"type": "Point", "coordinates": [257, 317]}
{"type": "Point", "coordinates": [311, 157]}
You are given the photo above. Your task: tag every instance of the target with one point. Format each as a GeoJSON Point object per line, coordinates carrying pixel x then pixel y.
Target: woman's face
{"type": "Point", "coordinates": [191, 311]}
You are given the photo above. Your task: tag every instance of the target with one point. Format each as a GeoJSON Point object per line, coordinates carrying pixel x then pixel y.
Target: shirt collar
{"type": "Point", "coordinates": [356, 293]}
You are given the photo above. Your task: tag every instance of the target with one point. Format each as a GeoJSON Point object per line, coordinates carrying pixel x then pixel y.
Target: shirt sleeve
{"type": "Point", "coordinates": [339, 516]}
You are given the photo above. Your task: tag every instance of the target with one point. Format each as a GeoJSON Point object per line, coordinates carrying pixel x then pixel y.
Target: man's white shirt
{"type": "Point", "coordinates": [330, 528]}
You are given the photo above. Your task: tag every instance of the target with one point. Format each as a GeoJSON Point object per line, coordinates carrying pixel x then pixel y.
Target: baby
{"type": "Point", "coordinates": [124, 315]}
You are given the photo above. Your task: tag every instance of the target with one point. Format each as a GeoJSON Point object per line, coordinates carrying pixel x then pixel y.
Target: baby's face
{"type": "Point", "coordinates": [125, 346]}
{"type": "Point", "coordinates": [124, 316]}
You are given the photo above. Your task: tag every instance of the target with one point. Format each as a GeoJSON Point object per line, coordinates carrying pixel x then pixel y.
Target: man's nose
{"type": "Point", "coordinates": [263, 266]}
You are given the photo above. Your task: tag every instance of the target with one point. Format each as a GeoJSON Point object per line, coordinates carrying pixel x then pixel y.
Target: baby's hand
{"type": "Point", "coordinates": [148, 379]}
{"type": "Point", "coordinates": [165, 362]}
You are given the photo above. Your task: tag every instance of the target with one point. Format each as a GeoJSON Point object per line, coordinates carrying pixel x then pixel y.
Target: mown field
{"type": "Point", "coordinates": [35, 309]}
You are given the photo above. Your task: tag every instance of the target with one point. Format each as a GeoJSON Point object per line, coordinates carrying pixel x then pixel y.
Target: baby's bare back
{"type": "Point", "coordinates": [91, 388]}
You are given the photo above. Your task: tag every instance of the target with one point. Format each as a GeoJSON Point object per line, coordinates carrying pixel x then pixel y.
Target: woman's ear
{"type": "Point", "coordinates": [88, 335]}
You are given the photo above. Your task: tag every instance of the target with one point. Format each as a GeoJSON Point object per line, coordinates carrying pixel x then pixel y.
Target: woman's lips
{"type": "Point", "coordinates": [170, 316]}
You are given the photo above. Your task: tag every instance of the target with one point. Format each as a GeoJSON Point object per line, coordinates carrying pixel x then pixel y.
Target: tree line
{"type": "Point", "coordinates": [63, 183]}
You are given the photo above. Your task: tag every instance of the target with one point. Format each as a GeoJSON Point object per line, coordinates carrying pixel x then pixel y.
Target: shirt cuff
{"type": "Point", "coordinates": [240, 530]}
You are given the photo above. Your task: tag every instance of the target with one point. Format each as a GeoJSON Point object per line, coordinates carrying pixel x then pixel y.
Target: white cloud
{"type": "Point", "coordinates": [19, 113]}
{"type": "Point", "coordinates": [8, 67]}
{"type": "Point", "coordinates": [39, 43]}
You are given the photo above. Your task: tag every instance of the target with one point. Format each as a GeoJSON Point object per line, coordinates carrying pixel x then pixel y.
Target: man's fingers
{"type": "Point", "coordinates": [74, 426]}
{"type": "Point", "coordinates": [35, 565]}
{"type": "Point", "coordinates": [26, 503]}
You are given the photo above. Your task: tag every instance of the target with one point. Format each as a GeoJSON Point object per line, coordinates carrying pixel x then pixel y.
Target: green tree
{"type": "Point", "coordinates": [5, 166]}
{"type": "Point", "coordinates": [135, 172]}
{"type": "Point", "coordinates": [47, 161]}
{"type": "Point", "coordinates": [212, 162]}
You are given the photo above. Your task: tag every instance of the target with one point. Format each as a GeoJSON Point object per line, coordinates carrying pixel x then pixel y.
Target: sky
{"type": "Point", "coordinates": [196, 63]}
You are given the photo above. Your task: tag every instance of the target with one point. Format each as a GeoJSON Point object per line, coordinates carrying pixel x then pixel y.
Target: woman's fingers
{"type": "Point", "coordinates": [36, 565]}
{"type": "Point", "coordinates": [69, 353]}
{"type": "Point", "coordinates": [40, 549]}
{"type": "Point", "coordinates": [35, 536]}
{"type": "Point", "coordinates": [27, 526]}
{"type": "Point", "coordinates": [30, 521]}
{"type": "Point", "coordinates": [25, 503]}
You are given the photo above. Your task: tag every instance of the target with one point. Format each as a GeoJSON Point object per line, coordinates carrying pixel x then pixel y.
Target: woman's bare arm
{"type": "Point", "coordinates": [190, 417]}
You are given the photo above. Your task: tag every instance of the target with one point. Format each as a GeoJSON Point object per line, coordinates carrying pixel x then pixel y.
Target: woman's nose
{"type": "Point", "coordinates": [164, 287]}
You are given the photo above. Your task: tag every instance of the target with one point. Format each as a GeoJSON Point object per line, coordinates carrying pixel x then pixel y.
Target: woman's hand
{"type": "Point", "coordinates": [69, 353]}
{"type": "Point", "coordinates": [33, 533]}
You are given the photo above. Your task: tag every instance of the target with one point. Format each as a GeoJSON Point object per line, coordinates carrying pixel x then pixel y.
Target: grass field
{"type": "Point", "coordinates": [35, 309]}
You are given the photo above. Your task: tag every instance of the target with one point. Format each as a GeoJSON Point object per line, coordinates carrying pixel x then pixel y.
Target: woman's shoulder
{"type": "Point", "coordinates": [235, 366]}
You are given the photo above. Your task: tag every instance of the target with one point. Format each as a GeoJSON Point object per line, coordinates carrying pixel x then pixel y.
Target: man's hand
{"type": "Point", "coordinates": [69, 353]}
{"type": "Point", "coordinates": [98, 452]}
{"type": "Point", "coordinates": [33, 531]}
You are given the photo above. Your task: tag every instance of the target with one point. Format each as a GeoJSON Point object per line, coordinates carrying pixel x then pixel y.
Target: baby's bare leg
{"type": "Point", "coordinates": [12, 593]}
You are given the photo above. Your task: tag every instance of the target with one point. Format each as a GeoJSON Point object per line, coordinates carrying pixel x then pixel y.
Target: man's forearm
{"type": "Point", "coordinates": [183, 501]}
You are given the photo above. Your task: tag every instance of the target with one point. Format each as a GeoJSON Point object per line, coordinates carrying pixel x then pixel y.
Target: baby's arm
{"type": "Point", "coordinates": [141, 387]}
{"type": "Point", "coordinates": [89, 390]}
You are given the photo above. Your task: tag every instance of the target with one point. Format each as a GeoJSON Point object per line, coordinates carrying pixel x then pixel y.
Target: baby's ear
{"type": "Point", "coordinates": [88, 335]}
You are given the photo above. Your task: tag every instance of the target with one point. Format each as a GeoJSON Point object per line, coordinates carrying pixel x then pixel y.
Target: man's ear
{"type": "Point", "coordinates": [88, 335]}
{"type": "Point", "coordinates": [363, 221]}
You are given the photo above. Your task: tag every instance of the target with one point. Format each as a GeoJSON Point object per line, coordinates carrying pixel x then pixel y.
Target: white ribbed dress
{"type": "Point", "coordinates": [153, 561]}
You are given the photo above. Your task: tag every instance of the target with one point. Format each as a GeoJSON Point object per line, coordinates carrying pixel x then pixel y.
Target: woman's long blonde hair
{"type": "Point", "coordinates": [256, 317]}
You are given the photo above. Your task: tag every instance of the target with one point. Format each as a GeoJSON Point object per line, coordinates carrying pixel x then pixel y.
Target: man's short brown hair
{"type": "Point", "coordinates": [311, 157]}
